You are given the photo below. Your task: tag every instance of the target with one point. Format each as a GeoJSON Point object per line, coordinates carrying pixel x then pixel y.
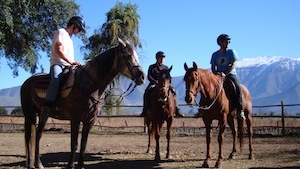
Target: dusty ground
{"type": "Point", "coordinates": [128, 152]}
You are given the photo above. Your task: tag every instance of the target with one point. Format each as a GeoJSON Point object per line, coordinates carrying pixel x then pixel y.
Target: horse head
{"type": "Point", "coordinates": [192, 83]}
{"type": "Point", "coordinates": [164, 83]}
{"type": "Point", "coordinates": [129, 63]}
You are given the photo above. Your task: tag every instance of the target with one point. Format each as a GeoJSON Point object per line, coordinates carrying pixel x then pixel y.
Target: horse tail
{"type": "Point", "coordinates": [241, 132]}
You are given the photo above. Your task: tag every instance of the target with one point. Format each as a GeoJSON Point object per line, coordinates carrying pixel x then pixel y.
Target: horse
{"type": "Point", "coordinates": [82, 104]}
{"type": "Point", "coordinates": [161, 108]}
{"type": "Point", "coordinates": [216, 104]}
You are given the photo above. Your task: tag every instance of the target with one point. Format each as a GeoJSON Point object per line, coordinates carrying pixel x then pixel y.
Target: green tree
{"type": "Point", "coordinates": [17, 111]}
{"type": "Point", "coordinates": [26, 29]}
{"type": "Point", "coordinates": [3, 111]}
{"type": "Point", "coordinates": [121, 21]}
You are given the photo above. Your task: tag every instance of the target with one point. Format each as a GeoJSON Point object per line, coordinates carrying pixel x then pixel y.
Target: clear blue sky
{"type": "Point", "coordinates": [187, 30]}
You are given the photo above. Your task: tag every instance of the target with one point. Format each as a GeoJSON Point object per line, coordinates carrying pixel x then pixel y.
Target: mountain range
{"type": "Point", "coordinates": [270, 80]}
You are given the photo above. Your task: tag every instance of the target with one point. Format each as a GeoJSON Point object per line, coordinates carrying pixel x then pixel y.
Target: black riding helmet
{"type": "Point", "coordinates": [160, 54]}
{"type": "Point", "coordinates": [222, 37]}
{"type": "Point", "coordinates": [78, 21]}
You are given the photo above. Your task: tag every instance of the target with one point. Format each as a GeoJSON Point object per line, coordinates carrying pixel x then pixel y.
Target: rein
{"type": "Point", "coordinates": [122, 95]}
{"type": "Point", "coordinates": [207, 107]}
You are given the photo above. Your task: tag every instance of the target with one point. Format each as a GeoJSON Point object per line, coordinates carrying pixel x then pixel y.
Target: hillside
{"type": "Point", "coordinates": [270, 80]}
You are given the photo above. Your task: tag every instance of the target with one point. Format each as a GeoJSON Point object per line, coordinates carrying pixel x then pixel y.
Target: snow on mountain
{"type": "Point", "coordinates": [270, 80]}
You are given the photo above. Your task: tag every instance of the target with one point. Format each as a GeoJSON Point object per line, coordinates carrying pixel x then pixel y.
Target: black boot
{"type": "Point", "coordinates": [144, 112]}
{"type": "Point", "coordinates": [197, 115]}
{"type": "Point", "coordinates": [51, 108]}
{"type": "Point", "coordinates": [178, 113]}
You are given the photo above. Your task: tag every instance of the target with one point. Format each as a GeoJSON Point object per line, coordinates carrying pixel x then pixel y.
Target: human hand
{"type": "Point", "coordinates": [221, 74]}
{"type": "Point", "coordinates": [76, 63]}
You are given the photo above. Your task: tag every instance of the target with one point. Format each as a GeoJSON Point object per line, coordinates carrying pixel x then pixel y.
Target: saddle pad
{"type": "Point", "coordinates": [43, 82]}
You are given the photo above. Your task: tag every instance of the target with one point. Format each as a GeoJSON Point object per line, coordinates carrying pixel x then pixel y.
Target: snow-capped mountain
{"type": "Point", "coordinates": [270, 80]}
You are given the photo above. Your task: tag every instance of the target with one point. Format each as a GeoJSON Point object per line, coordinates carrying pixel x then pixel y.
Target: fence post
{"type": "Point", "coordinates": [282, 118]}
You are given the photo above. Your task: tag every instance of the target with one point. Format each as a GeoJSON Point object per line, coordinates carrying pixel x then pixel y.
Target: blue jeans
{"type": "Point", "coordinates": [52, 91]}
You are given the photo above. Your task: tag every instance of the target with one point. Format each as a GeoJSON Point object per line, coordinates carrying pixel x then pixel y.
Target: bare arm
{"type": "Point", "coordinates": [59, 48]}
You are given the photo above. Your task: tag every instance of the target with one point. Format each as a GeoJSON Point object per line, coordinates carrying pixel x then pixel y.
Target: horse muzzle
{"type": "Point", "coordinates": [139, 76]}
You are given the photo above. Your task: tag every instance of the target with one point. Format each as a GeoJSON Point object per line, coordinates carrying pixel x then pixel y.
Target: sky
{"type": "Point", "coordinates": [186, 31]}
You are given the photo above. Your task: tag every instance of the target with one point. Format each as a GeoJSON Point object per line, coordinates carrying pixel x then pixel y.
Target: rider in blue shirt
{"type": "Point", "coordinates": [223, 62]}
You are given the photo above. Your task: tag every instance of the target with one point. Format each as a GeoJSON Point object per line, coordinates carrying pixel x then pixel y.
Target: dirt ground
{"type": "Point", "coordinates": [128, 151]}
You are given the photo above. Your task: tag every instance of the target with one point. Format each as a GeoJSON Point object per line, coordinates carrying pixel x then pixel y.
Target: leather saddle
{"type": "Point", "coordinates": [65, 87]}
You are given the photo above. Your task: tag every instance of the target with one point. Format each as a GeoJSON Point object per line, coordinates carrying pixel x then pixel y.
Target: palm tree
{"type": "Point", "coordinates": [122, 21]}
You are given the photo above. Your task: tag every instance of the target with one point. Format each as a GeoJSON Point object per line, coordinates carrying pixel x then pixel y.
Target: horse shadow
{"type": "Point", "coordinates": [60, 160]}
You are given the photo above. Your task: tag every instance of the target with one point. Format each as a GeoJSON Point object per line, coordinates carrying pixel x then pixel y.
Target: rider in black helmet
{"type": "Point", "coordinates": [153, 73]}
{"type": "Point", "coordinates": [61, 56]}
{"type": "Point", "coordinates": [78, 22]}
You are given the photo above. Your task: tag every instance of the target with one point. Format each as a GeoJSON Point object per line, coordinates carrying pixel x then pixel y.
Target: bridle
{"type": "Point", "coordinates": [206, 107]}
{"type": "Point", "coordinates": [166, 89]}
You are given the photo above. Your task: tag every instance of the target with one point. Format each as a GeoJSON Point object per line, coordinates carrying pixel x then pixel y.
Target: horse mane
{"type": "Point", "coordinates": [104, 61]}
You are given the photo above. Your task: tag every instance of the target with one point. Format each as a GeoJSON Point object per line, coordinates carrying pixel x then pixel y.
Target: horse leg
{"type": "Point", "coordinates": [208, 142]}
{"type": "Point", "coordinates": [150, 134]}
{"type": "Point", "coordinates": [30, 136]}
{"type": "Point", "coordinates": [250, 135]}
{"type": "Point", "coordinates": [42, 123]}
{"type": "Point", "coordinates": [230, 120]}
{"type": "Point", "coordinates": [84, 138]}
{"type": "Point", "coordinates": [74, 142]}
{"type": "Point", "coordinates": [168, 136]}
{"type": "Point", "coordinates": [157, 128]}
{"type": "Point", "coordinates": [220, 141]}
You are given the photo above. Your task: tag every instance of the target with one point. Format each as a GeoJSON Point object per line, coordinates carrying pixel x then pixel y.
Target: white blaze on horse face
{"type": "Point", "coordinates": [135, 58]}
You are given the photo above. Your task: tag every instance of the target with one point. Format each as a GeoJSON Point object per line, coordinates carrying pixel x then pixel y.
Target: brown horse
{"type": "Point", "coordinates": [216, 104]}
{"type": "Point", "coordinates": [81, 105]}
{"type": "Point", "coordinates": [161, 108]}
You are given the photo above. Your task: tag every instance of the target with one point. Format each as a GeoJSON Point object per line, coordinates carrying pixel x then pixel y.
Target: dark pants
{"type": "Point", "coordinates": [149, 90]}
{"type": "Point", "coordinates": [238, 101]}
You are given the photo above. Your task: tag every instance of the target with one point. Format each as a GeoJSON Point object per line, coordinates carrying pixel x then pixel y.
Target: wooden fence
{"type": "Point", "coordinates": [276, 125]}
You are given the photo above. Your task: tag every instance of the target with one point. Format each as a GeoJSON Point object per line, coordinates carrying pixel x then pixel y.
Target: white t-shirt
{"type": "Point", "coordinates": [62, 36]}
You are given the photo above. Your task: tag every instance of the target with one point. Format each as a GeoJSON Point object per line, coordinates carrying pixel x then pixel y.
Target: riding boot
{"type": "Point", "coordinates": [50, 107]}
{"type": "Point", "coordinates": [144, 112]}
{"type": "Point", "coordinates": [178, 113]}
{"type": "Point", "coordinates": [197, 115]}
{"type": "Point", "coordinates": [145, 106]}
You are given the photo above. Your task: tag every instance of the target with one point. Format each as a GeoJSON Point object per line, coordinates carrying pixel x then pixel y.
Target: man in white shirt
{"type": "Point", "coordinates": [62, 55]}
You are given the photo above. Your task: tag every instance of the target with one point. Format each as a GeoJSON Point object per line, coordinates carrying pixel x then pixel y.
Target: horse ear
{"type": "Point", "coordinates": [121, 42]}
{"type": "Point", "coordinates": [195, 65]}
{"type": "Point", "coordinates": [185, 67]}
{"type": "Point", "coordinates": [170, 68]}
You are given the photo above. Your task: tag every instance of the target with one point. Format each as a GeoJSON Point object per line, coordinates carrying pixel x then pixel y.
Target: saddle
{"type": "Point", "coordinates": [230, 91]}
{"type": "Point", "coordinates": [65, 87]}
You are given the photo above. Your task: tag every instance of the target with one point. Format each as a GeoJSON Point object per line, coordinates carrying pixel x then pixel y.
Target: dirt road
{"type": "Point", "coordinates": [129, 152]}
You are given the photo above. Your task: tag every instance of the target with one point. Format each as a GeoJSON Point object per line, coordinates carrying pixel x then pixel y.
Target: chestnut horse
{"type": "Point", "coordinates": [216, 104]}
{"type": "Point", "coordinates": [161, 108]}
{"type": "Point", "coordinates": [81, 105]}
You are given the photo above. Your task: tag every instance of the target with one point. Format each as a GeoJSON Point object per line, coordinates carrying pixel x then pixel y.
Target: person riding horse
{"type": "Point", "coordinates": [223, 63]}
{"type": "Point", "coordinates": [153, 73]}
{"type": "Point", "coordinates": [62, 56]}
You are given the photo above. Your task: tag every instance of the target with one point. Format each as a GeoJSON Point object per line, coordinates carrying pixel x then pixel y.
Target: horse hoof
{"type": "Point", "coordinates": [205, 165]}
{"type": "Point", "coordinates": [251, 157]}
{"type": "Point", "coordinates": [218, 165]}
{"type": "Point", "coordinates": [232, 156]}
{"type": "Point", "coordinates": [39, 166]}
{"type": "Point", "coordinates": [157, 158]}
